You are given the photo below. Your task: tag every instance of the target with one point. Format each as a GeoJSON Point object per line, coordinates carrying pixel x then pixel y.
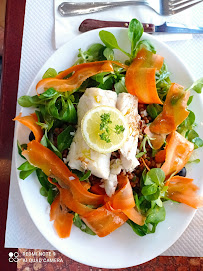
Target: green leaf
{"type": "Point", "coordinates": [21, 148]}
{"type": "Point", "coordinates": [48, 94]}
{"type": "Point", "coordinates": [149, 189]}
{"type": "Point", "coordinates": [25, 101]}
{"type": "Point", "coordinates": [51, 195]}
{"type": "Point", "coordinates": [108, 84]}
{"type": "Point", "coordinates": [26, 166]}
{"type": "Point", "coordinates": [190, 119]}
{"type": "Point", "coordinates": [120, 86]}
{"type": "Point", "coordinates": [147, 44]}
{"type": "Point", "coordinates": [85, 176]}
{"type": "Point", "coordinates": [24, 174]}
{"type": "Point", "coordinates": [198, 142]}
{"type": "Point", "coordinates": [139, 230]}
{"type": "Point", "coordinates": [156, 215]}
{"type": "Point", "coordinates": [39, 116]}
{"type": "Point", "coordinates": [28, 101]}
{"type": "Point", "coordinates": [101, 77]}
{"type": "Point", "coordinates": [47, 143]}
{"type": "Point", "coordinates": [43, 192]}
{"type": "Point", "coordinates": [110, 41]}
{"type": "Point", "coordinates": [42, 177]}
{"type": "Point", "coordinates": [137, 202]}
{"type": "Point", "coordinates": [61, 109]}
{"type": "Point", "coordinates": [154, 196]}
{"type": "Point", "coordinates": [197, 85]}
{"type": "Point", "coordinates": [135, 31]}
{"type": "Point", "coordinates": [154, 110]}
{"type": "Point", "coordinates": [65, 138]}
{"type": "Point", "coordinates": [81, 225]}
{"type": "Point", "coordinates": [196, 161]}
{"type": "Point", "coordinates": [190, 100]}
{"type": "Point", "coordinates": [95, 51]}
{"type": "Point", "coordinates": [50, 73]}
{"type": "Point", "coordinates": [191, 134]}
{"type": "Point", "coordinates": [155, 175]}
{"type": "Point", "coordinates": [140, 154]}
{"type": "Point", "coordinates": [109, 54]}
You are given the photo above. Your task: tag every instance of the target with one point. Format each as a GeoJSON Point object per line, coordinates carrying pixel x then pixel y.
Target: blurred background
{"type": "Point", "coordinates": [2, 26]}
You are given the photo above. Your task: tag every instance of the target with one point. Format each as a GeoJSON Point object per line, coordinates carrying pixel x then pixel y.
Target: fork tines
{"type": "Point", "coordinates": [180, 5]}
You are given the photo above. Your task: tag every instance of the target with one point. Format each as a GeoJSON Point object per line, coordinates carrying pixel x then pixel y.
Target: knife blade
{"type": "Point", "coordinates": [167, 27]}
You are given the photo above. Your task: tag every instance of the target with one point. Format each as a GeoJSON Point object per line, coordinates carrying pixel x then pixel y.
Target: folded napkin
{"type": "Point", "coordinates": [66, 28]}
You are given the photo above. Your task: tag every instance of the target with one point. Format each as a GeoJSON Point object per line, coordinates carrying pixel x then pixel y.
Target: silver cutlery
{"type": "Point", "coordinates": [162, 7]}
{"type": "Point", "coordinates": [90, 24]}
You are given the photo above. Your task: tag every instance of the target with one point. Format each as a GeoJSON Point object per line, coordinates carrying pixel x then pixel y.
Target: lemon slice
{"type": "Point", "coordinates": [105, 129]}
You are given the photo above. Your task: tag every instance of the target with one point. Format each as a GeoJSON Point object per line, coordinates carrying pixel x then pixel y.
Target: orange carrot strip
{"type": "Point", "coordinates": [97, 189]}
{"type": "Point", "coordinates": [123, 198]}
{"type": "Point", "coordinates": [135, 216]}
{"type": "Point", "coordinates": [145, 164]}
{"type": "Point", "coordinates": [160, 156]}
{"type": "Point", "coordinates": [174, 111]}
{"type": "Point", "coordinates": [73, 204]}
{"type": "Point", "coordinates": [75, 68]}
{"type": "Point", "coordinates": [183, 190]}
{"type": "Point", "coordinates": [81, 73]}
{"type": "Point", "coordinates": [123, 201]}
{"type": "Point", "coordinates": [56, 184]}
{"type": "Point", "coordinates": [62, 219]}
{"type": "Point", "coordinates": [157, 139]}
{"type": "Point", "coordinates": [104, 221]}
{"type": "Point", "coordinates": [140, 77]}
{"type": "Point", "coordinates": [53, 166]}
{"type": "Point", "coordinates": [86, 185]}
{"type": "Point", "coordinates": [178, 152]}
{"type": "Point", "coordinates": [31, 122]}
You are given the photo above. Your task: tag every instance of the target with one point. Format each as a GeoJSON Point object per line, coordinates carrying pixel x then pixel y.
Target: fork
{"type": "Point", "coordinates": [162, 7]}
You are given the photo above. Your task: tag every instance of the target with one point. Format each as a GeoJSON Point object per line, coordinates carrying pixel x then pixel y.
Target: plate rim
{"type": "Point", "coordinates": [16, 153]}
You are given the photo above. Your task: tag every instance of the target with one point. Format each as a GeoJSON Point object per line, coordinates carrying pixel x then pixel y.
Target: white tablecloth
{"type": "Point", "coordinates": [38, 46]}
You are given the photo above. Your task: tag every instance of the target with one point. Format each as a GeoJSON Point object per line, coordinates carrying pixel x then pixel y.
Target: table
{"type": "Point", "coordinates": [8, 95]}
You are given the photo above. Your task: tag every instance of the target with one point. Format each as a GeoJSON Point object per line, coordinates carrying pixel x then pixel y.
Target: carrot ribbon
{"type": "Point", "coordinates": [80, 73]}
{"type": "Point", "coordinates": [183, 190]}
{"type": "Point", "coordinates": [63, 220]}
{"type": "Point", "coordinates": [178, 151]}
{"type": "Point", "coordinates": [31, 122]}
{"type": "Point", "coordinates": [174, 111]}
{"type": "Point", "coordinates": [140, 77]}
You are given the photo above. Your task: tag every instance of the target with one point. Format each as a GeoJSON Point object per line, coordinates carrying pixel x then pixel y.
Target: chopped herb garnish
{"type": "Point", "coordinates": [119, 129]}
{"type": "Point", "coordinates": [105, 137]}
{"type": "Point", "coordinates": [105, 120]}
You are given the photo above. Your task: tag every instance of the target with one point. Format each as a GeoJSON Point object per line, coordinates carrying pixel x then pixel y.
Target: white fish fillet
{"type": "Point", "coordinates": [81, 156]}
{"type": "Point", "coordinates": [95, 97]}
{"type": "Point", "coordinates": [128, 105]}
{"type": "Point", "coordinates": [110, 184]}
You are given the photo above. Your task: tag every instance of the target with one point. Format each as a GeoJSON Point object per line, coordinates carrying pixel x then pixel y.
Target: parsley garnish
{"type": "Point", "coordinates": [105, 137]}
{"type": "Point", "coordinates": [105, 120]}
{"type": "Point", "coordinates": [104, 126]}
{"type": "Point", "coordinates": [119, 129]}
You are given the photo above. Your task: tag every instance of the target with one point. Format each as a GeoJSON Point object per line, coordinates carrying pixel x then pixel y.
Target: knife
{"type": "Point", "coordinates": [90, 24]}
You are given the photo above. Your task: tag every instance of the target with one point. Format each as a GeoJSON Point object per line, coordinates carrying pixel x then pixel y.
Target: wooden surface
{"type": "Point", "coordinates": [8, 95]}
{"type": "Point", "coordinates": [28, 260]}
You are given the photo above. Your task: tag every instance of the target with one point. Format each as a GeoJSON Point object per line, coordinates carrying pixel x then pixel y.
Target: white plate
{"type": "Point", "coordinates": [122, 248]}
